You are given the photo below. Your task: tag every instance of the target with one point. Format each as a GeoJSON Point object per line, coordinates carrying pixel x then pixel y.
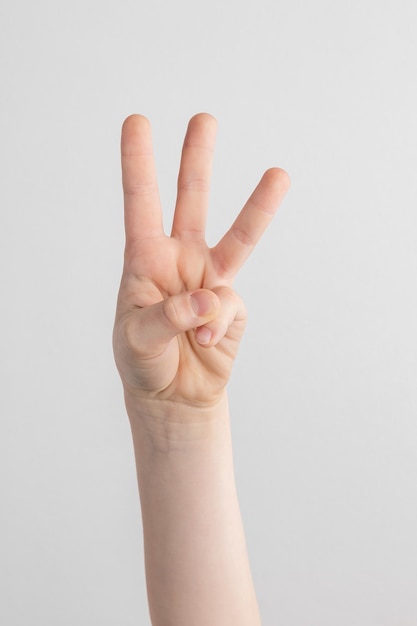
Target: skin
{"type": "Point", "coordinates": [177, 331]}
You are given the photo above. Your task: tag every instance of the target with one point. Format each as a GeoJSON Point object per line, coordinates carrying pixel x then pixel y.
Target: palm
{"type": "Point", "coordinates": [157, 266]}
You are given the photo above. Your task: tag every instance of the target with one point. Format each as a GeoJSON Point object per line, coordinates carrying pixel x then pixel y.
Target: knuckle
{"type": "Point", "coordinates": [242, 236]}
{"type": "Point", "coordinates": [230, 301]}
{"type": "Point", "coordinates": [200, 185]}
{"type": "Point", "coordinates": [140, 189]}
{"type": "Point", "coordinates": [223, 266]}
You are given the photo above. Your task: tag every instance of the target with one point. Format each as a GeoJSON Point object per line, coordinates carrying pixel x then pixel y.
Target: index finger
{"type": "Point", "coordinates": [143, 215]}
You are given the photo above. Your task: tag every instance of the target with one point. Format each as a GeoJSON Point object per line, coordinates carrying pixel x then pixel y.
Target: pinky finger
{"type": "Point", "coordinates": [231, 319]}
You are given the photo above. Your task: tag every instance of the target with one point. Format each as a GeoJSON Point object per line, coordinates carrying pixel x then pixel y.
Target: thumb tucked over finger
{"type": "Point", "coordinates": [151, 328]}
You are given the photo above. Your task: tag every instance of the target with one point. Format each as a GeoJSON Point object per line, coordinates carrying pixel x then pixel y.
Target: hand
{"type": "Point", "coordinates": [178, 321]}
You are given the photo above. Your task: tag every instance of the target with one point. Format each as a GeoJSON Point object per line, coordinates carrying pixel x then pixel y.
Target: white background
{"type": "Point", "coordinates": [323, 396]}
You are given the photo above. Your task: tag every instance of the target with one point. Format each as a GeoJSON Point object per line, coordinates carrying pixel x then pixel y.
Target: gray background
{"type": "Point", "coordinates": [323, 396]}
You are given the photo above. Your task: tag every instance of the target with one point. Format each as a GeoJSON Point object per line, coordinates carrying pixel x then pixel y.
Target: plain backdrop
{"type": "Point", "coordinates": [323, 395]}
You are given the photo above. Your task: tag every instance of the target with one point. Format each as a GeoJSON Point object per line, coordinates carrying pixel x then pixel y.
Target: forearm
{"type": "Point", "coordinates": [177, 332]}
{"type": "Point", "coordinates": [196, 560]}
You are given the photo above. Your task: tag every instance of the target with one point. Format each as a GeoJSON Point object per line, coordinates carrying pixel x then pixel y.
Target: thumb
{"type": "Point", "coordinates": [151, 328]}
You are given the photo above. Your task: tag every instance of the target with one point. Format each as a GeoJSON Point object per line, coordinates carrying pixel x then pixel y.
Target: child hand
{"type": "Point", "coordinates": [178, 321]}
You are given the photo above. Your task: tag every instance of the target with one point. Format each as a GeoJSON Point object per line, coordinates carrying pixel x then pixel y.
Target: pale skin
{"type": "Point", "coordinates": [177, 332]}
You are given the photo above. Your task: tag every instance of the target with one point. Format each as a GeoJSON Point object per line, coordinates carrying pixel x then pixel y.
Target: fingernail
{"type": "Point", "coordinates": [202, 303]}
{"type": "Point", "coordinates": [203, 335]}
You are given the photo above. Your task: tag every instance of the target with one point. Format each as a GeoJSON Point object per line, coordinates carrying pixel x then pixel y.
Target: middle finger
{"type": "Point", "coordinates": [194, 178]}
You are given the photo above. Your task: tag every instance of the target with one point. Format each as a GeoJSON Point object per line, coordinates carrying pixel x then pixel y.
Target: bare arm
{"type": "Point", "coordinates": [177, 331]}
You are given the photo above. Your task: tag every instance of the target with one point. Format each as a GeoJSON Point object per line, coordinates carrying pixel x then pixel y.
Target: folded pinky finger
{"type": "Point", "coordinates": [231, 319]}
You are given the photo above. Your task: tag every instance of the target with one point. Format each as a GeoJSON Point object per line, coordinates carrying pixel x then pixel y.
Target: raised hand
{"type": "Point", "coordinates": [178, 321]}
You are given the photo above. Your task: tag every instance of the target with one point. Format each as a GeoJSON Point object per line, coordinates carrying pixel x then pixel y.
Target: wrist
{"type": "Point", "coordinates": [167, 425]}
